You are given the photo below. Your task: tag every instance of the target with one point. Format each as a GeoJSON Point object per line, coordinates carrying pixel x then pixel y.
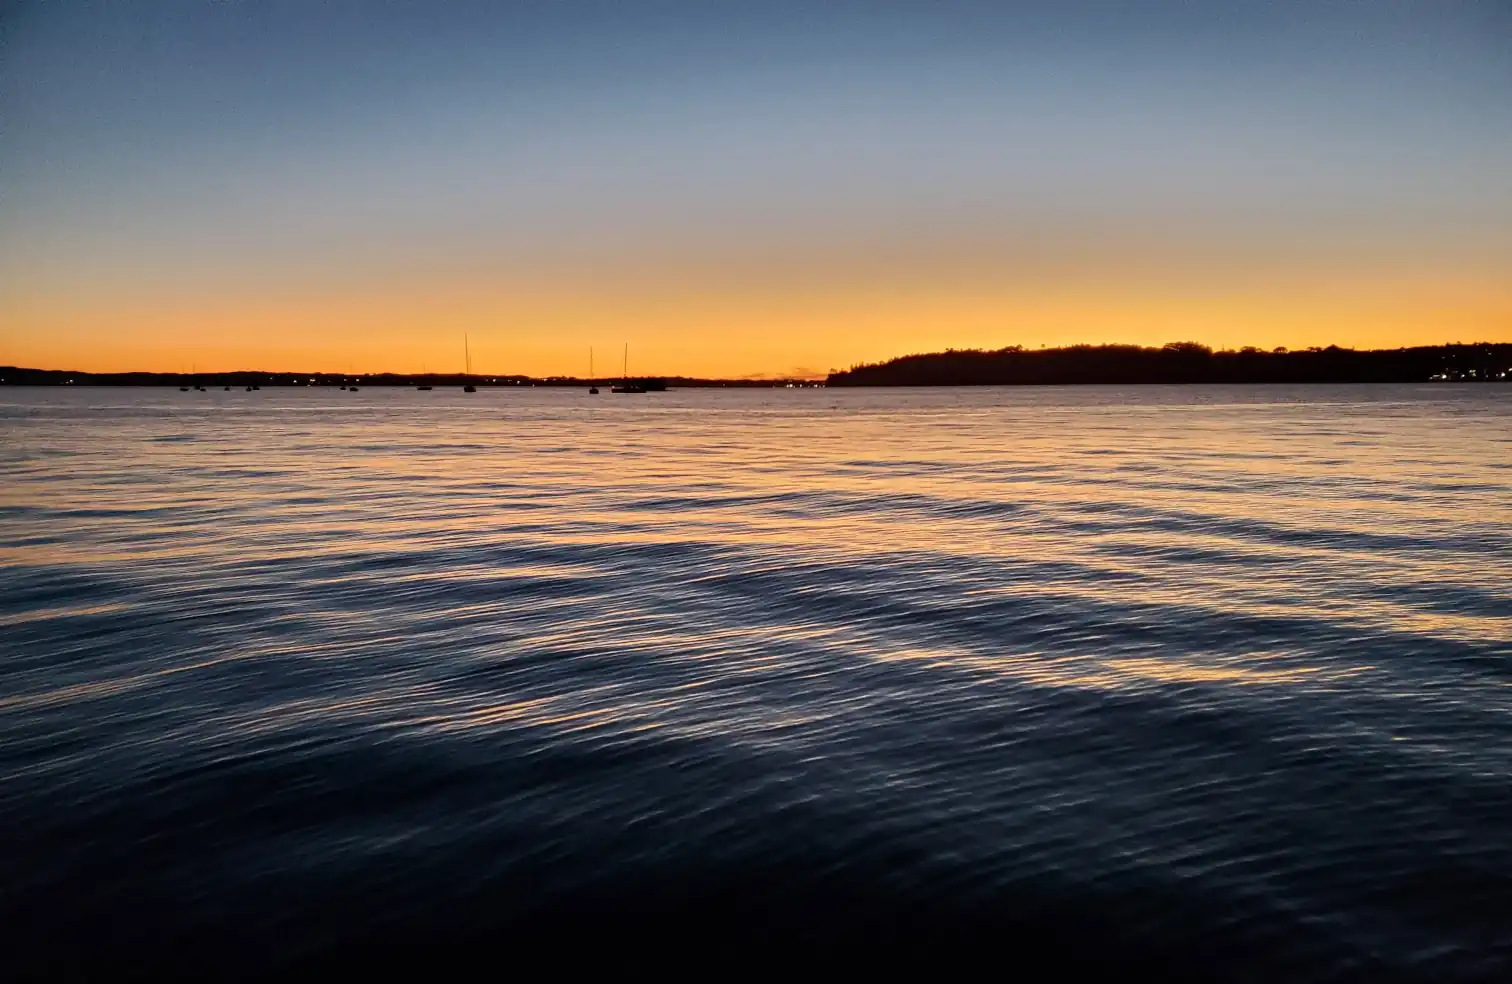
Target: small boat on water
{"type": "Point", "coordinates": [423, 389]}
{"type": "Point", "coordinates": [467, 363]}
{"type": "Point", "coordinates": [592, 389]}
{"type": "Point", "coordinates": [626, 386]}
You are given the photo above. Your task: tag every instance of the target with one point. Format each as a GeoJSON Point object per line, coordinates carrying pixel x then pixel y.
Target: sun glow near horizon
{"type": "Point", "coordinates": [724, 334]}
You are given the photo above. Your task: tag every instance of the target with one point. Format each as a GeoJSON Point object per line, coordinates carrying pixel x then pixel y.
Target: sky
{"type": "Point", "coordinates": [743, 188]}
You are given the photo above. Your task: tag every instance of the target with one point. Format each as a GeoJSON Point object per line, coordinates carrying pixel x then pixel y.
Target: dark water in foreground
{"type": "Point", "coordinates": [1211, 681]}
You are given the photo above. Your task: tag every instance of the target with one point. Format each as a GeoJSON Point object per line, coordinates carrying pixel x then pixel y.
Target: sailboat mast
{"type": "Point", "coordinates": [466, 354]}
{"type": "Point", "coordinates": [626, 370]}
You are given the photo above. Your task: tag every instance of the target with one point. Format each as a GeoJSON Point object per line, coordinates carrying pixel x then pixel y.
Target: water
{"type": "Point", "coordinates": [1208, 681]}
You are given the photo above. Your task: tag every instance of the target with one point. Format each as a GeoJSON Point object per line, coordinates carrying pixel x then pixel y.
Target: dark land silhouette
{"type": "Point", "coordinates": [1186, 362]}
{"type": "Point", "coordinates": [1177, 362]}
{"type": "Point", "coordinates": [17, 376]}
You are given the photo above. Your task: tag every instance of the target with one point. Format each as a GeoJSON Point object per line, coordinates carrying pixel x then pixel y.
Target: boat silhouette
{"type": "Point", "coordinates": [467, 362]}
{"type": "Point", "coordinates": [626, 386]}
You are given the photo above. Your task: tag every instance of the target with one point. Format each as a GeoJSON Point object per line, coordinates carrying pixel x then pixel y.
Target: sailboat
{"type": "Point", "coordinates": [467, 357]}
{"type": "Point", "coordinates": [625, 385]}
{"type": "Point", "coordinates": [592, 389]}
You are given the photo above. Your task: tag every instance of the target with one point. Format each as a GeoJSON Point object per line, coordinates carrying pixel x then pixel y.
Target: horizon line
{"type": "Point", "coordinates": [746, 378]}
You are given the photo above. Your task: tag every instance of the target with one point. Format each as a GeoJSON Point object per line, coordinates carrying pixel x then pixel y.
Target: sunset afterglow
{"type": "Point", "coordinates": [781, 189]}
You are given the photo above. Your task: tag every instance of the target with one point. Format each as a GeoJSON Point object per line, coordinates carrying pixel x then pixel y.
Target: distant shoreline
{"type": "Point", "coordinates": [1121, 365]}
{"type": "Point", "coordinates": [240, 379]}
{"type": "Point", "coordinates": [1185, 363]}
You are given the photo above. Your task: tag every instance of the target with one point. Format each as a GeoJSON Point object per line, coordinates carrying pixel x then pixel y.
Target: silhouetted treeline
{"type": "Point", "coordinates": [14, 376]}
{"type": "Point", "coordinates": [1185, 362]}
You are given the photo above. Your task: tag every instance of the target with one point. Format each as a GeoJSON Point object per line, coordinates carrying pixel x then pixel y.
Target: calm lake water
{"type": "Point", "coordinates": [1215, 681]}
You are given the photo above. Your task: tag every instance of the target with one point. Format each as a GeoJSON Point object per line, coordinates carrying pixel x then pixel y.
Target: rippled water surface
{"type": "Point", "coordinates": [1208, 680]}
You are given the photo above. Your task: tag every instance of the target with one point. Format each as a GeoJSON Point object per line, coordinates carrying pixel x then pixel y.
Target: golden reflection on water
{"type": "Point", "coordinates": [1366, 508]}
{"type": "Point", "coordinates": [1094, 672]}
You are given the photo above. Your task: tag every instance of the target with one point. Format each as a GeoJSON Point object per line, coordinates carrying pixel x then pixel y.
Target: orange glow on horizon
{"type": "Point", "coordinates": [717, 333]}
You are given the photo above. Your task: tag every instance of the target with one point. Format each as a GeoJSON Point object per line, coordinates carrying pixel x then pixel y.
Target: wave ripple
{"type": "Point", "coordinates": [1210, 682]}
